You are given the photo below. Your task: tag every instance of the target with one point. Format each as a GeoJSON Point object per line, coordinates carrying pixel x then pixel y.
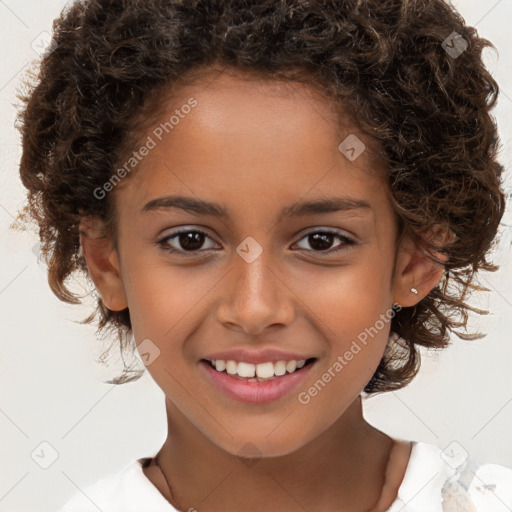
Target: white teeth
{"type": "Point", "coordinates": [291, 366]}
{"type": "Point", "coordinates": [261, 371]}
{"type": "Point", "coordinates": [231, 367]}
{"type": "Point", "coordinates": [246, 370]}
{"type": "Point", "coordinates": [264, 370]}
{"type": "Point", "coordinates": [280, 368]}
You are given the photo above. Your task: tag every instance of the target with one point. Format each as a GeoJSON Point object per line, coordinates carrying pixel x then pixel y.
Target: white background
{"type": "Point", "coordinates": [51, 389]}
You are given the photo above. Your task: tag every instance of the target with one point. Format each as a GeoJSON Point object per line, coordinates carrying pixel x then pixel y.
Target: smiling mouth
{"type": "Point", "coordinates": [262, 372]}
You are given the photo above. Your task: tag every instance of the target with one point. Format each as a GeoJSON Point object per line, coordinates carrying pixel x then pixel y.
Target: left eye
{"type": "Point", "coordinates": [191, 240]}
{"type": "Point", "coordinates": [322, 239]}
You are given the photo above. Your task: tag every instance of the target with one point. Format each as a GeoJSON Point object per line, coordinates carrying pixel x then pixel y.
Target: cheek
{"type": "Point", "coordinates": [352, 309]}
{"type": "Point", "coordinates": [163, 299]}
{"type": "Point", "coordinates": [346, 300]}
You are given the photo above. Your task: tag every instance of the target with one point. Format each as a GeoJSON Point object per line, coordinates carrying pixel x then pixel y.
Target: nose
{"type": "Point", "coordinates": [255, 296]}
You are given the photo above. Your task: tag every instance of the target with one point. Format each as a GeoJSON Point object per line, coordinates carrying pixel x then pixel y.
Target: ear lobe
{"type": "Point", "coordinates": [416, 270]}
{"type": "Point", "coordinates": [103, 264]}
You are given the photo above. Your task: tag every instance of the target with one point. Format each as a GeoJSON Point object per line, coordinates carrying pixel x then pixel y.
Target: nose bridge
{"type": "Point", "coordinates": [255, 296]}
{"type": "Point", "coordinates": [255, 278]}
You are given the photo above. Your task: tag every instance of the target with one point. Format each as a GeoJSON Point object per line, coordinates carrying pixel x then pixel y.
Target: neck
{"type": "Point", "coordinates": [342, 469]}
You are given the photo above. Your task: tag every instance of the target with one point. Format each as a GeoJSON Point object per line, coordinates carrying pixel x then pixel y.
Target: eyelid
{"type": "Point", "coordinates": [162, 241]}
{"type": "Point", "coordinates": [348, 240]}
{"type": "Point", "coordinates": [330, 231]}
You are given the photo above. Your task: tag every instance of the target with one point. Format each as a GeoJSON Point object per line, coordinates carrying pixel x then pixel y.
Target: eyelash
{"type": "Point", "coordinates": [163, 243]}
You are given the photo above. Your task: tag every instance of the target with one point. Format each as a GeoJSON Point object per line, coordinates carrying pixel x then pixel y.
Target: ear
{"type": "Point", "coordinates": [103, 263]}
{"type": "Point", "coordinates": [415, 269]}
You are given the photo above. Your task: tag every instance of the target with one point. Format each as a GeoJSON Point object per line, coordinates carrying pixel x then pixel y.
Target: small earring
{"type": "Point", "coordinates": [413, 290]}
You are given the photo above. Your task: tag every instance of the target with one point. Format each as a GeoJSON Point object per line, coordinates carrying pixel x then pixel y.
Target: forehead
{"type": "Point", "coordinates": [248, 136]}
{"type": "Point", "coordinates": [233, 87]}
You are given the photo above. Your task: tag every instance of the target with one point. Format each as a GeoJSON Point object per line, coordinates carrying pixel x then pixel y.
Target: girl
{"type": "Point", "coordinates": [278, 203]}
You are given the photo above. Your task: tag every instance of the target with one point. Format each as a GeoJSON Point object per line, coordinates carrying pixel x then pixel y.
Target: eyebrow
{"type": "Point", "coordinates": [302, 208]}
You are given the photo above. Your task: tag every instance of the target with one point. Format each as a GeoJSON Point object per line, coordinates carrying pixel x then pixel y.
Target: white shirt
{"type": "Point", "coordinates": [433, 482]}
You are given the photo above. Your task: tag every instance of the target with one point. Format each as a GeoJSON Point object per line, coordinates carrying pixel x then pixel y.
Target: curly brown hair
{"type": "Point", "coordinates": [386, 62]}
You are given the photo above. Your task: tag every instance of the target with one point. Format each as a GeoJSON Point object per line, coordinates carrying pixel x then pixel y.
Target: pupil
{"type": "Point", "coordinates": [188, 243]}
{"type": "Point", "coordinates": [193, 240]}
{"type": "Point", "coordinates": [325, 240]}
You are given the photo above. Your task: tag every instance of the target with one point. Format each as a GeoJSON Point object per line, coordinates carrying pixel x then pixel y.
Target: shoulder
{"type": "Point", "coordinates": [448, 480]}
{"type": "Point", "coordinates": [127, 490]}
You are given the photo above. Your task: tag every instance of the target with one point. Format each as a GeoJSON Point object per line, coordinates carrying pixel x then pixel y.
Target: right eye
{"type": "Point", "coordinates": [190, 240]}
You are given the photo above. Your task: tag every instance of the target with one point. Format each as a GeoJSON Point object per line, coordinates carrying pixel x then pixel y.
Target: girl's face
{"type": "Point", "coordinates": [287, 253]}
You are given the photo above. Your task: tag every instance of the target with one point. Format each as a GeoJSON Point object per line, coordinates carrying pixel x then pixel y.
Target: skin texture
{"type": "Point", "coordinates": [256, 147]}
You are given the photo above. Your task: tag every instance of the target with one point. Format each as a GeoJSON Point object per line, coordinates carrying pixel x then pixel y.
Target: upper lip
{"type": "Point", "coordinates": [256, 357]}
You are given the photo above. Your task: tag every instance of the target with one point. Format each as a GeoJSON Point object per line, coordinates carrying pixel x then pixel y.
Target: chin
{"type": "Point", "coordinates": [264, 443]}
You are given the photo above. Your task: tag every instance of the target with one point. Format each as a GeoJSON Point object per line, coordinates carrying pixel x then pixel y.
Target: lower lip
{"type": "Point", "coordinates": [256, 392]}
